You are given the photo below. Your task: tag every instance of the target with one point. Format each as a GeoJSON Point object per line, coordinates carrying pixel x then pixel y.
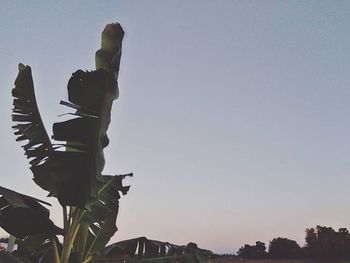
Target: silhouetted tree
{"type": "Point", "coordinates": [325, 242]}
{"type": "Point", "coordinates": [343, 242]}
{"type": "Point", "coordinates": [253, 252]}
{"type": "Point", "coordinates": [284, 248]}
{"type": "Point", "coordinates": [191, 247]}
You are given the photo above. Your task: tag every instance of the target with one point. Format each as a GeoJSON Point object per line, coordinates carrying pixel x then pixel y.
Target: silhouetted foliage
{"type": "Point", "coordinates": [253, 252]}
{"type": "Point", "coordinates": [70, 166]}
{"type": "Point", "coordinates": [192, 245]}
{"type": "Point", "coordinates": [191, 248]}
{"type": "Point", "coordinates": [5, 257]}
{"type": "Point", "coordinates": [142, 248]}
{"type": "Point", "coordinates": [324, 242]}
{"type": "Point", "coordinates": [284, 248]}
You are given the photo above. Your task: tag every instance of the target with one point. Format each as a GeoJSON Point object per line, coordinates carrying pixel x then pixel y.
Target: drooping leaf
{"type": "Point", "coordinates": [9, 258]}
{"type": "Point", "coordinates": [39, 249]}
{"type": "Point", "coordinates": [33, 243]}
{"type": "Point", "coordinates": [22, 215]}
{"type": "Point", "coordinates": [143, 248]}
{"type": "Point", "coordinates": [99, 221]}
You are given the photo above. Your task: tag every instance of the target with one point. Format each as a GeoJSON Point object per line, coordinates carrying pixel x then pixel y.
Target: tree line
{"type": "Point", "coordinates": [320, 243]}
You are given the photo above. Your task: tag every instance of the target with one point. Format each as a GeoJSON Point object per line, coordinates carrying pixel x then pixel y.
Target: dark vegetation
{"type": "Point", "coordinates": [68, 165]}
{"type": "Point", "coordinates": [323, 243]}
{"type": "Point", "coordinates": [143, 250]}
{"type": "Point", "coordinates": [133, 250]}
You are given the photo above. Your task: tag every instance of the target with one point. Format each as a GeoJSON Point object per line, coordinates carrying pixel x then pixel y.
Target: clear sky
{"type": "Point", "coordinates": [233, 115]}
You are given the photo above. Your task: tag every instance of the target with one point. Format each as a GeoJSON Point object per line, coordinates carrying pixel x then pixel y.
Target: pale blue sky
{"type": "Point", "coordinates": [233, 115]}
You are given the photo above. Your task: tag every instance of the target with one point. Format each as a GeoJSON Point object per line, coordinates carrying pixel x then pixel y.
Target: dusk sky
{"type": "Point", "coordinates": [234, 116]}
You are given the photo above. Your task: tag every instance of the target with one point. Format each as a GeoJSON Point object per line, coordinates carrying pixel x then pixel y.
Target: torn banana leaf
{"type": "Point", "coordinates": [98, 222]}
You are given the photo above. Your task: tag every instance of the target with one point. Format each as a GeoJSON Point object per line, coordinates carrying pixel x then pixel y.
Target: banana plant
{"type": "Point", "coordinates": [69, 165]}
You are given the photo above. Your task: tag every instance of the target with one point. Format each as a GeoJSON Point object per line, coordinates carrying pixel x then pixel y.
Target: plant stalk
{"type": "Point", "coordinates": [55, 250]}
{"type": "Point", "coordinates": [65, 221]}
{"type": "Point", "coordinates": [88, 259]}
{"type": "Point", "coordinates": [71, 234]}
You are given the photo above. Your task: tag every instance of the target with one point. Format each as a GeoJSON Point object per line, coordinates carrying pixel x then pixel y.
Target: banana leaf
{"type": "Point", "coordinates": [22, 215]}
{"type": "Point", "coordinates": [37, 248]}
{"type": "Point", "coordinates": [71, 170]}
{"type": "Point", "coordinates": [98, 223]}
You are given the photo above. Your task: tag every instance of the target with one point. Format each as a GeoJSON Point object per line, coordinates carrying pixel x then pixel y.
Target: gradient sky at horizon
{"type": "Point", "coordinates": [233, 115]}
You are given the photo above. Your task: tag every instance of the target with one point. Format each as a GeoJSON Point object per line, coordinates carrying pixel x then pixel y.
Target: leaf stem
{"type": "Point", "coordinates": [69, 239]}
{"type": "Point", "coordinates": [55, 250]}
{"type": "Point", "coordinates": [65, 221]}
{"type": "Point", "coordinates": [88, 259]}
